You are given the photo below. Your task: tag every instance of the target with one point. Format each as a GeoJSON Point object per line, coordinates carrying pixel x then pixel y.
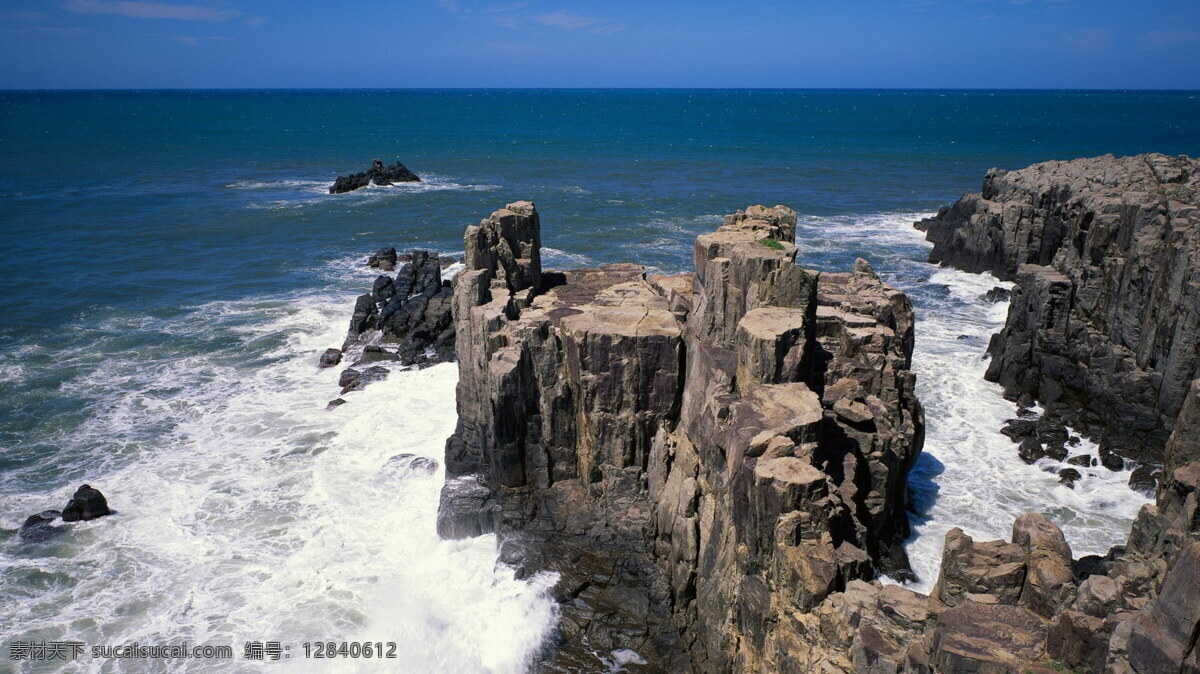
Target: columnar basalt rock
{"type": "Point", "coordinates": [699, 456]}
{"type": "Point", "coordinates": [1104, 325]}
{"type": "Point", "coordinates": [405, 318]}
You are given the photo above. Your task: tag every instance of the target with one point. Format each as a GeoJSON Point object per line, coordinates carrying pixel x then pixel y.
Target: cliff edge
{"type": "Point", "coordinates": [1104, 325]}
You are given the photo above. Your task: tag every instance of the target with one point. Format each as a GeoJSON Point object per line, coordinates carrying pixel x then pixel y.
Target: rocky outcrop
{"type": "Point", "coordinates": [405, 319]}
{"type": "Point", "coordinates": [87, 503]}
{"type": "Point", "coordinates": [377, 175]}
{"type": "Point", "coordinates": [701, 457]}
{"type": "Point", "coordinates": [1104, 325]}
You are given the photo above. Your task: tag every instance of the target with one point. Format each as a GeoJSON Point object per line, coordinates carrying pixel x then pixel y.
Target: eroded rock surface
{"type": "Point", "coordinates": [405, 319]}
{"type": "Point", "coordinates": [701, 457]}
{"type": "Point", "coordinates": [1104, 325]}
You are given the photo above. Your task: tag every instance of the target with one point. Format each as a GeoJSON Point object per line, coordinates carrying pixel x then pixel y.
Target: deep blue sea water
{"type": "Point", "coordinates": [170, 265]}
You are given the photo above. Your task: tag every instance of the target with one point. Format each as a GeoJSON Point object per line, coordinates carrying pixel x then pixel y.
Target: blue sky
{"type": "Point", "coordinates": [616, 43]}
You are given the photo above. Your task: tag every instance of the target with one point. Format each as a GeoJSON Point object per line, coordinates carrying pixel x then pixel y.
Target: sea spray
{"type": "Point", "coordinates": [249, 513]}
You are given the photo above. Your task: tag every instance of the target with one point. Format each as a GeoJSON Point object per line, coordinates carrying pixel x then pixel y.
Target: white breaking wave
{"type": "Point", "coordinates": [253, 514]}
{"type": "Point", "coordinates": [305, 193]}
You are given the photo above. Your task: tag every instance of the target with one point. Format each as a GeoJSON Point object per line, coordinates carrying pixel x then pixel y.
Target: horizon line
{"type": "Point", "coordinates": [584, 88]}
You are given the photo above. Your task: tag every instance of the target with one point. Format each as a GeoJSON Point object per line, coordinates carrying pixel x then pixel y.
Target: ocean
{"type": "Point", "coordinates": [172, 267]}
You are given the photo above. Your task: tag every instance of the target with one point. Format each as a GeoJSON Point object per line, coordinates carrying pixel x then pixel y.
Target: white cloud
{"type": "Point", "coordinates": [151, 10]}
{"type": "Point", "coordinates": [1163, 39]}
{"type": "Point", "coordinates": [566, 20]}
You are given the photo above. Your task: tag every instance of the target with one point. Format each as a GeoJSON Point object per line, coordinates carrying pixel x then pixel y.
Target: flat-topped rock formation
{"type": "Point", "coordinates": [699, 456]}
{"type": "Point", "coordinates": [378, 174]}
{"type": "Point", "coordinates": [1104, 325]}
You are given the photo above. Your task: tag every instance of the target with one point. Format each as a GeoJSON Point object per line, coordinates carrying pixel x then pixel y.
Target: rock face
{"type": "Point", "coordinates": [378, 175]}
{"type": "Point", "coordinates": [404, 319]}
{"type": "Point", "coordinates": [1104, 325]}
{"type": "Point", "coordinates": [701, 457]}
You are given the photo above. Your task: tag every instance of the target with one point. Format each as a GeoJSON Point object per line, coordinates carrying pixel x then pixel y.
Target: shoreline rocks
{"type": "Point", "coordinates": [378, 174]}
{"type": "Point", "coordinates": [404, 319]}
{"type": "Point", "coordinates": [1104, 322]}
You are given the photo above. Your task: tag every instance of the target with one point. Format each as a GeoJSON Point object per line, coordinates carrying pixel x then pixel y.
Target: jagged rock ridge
{"type": "Point", "coordinates": [699, 456]}
{"type": "Point", "coordinates": [378, 174]}
{"type": "Point", "coordinates": [1104, 325]}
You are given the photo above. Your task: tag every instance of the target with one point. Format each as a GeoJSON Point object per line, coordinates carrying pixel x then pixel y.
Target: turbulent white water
{"type": "Point", "coordinates": [969, 475]}
{"type": "Point", "coordinates": [259, 516]}
{"type": "Point", "coordinates": [246, 511]}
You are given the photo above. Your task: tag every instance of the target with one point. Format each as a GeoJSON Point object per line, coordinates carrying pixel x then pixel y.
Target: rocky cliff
{"type": "Point", "coordinates": [1104, 325]}
{"type": "Point", "coordinates": [1028, 605]}
{"type": "Point", "coordinates": [703, 458]}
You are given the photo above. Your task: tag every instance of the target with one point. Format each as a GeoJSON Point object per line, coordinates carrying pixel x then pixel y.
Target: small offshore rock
{"type": "Point", "coordinates": [384, 258]}
{"type": "Point", "coordinates": [348, 376]}
{"type": "Point", "coordinates": [378, 174]}
{"type": "Point", "coordinates": [997, 294]}
{"type": "Point", "coordinates": [87, 504]}
{"type": "Point", "coordinates": [376, 354]}
{"type": "Point", "coordinates": [335, 403]}
{"type": "Point", "coordinates": [330, 358]}
{"type": "Point", "coordinates": [1083, 460]}
{"type": "Point", "coordinates": [1144, 479]}
{"type": "Point", "coordinates": [38, 527]}
{"type": "Point", "coordinates": [368, 376]}
{"type": "Point", "coordinates": [412, 463]}
{"type": "Point", "coordinates": [1069, 476]}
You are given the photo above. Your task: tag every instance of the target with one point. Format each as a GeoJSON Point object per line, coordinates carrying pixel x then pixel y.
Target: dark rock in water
{"type": "Point", "coordinates": [330, 358]}
{"type": "Point", "coordinates": [411, 463]}
{"type": "Point", "coordinates": [87, 504]}
{"type": "Point", "coordinates": [1038, 437]}
{"type": "Point", "coordinates": [411, 311]}
{"type": "Point", "coordinates": [1069, 476]}
{"type": "Point", "coordinates": [348, 375]}
{"type": "Point", "coordinates": [39, 527]}
{"type": "Point", "coordinates": [963, 337]}
{"type": "Point", "coordinates": [376, 354]}
{"type": "Point", "coordinates": [1144, 478]}
{"type": "Point", "coordinates": [1109, 458]}
{"type": "Point", "coordinates": [384, 258]}
{"type": "Point", "coordinates": [360, 380]}
{"type": "Point", "coordinates": [997, 294]}
{"type": "Point", "coordinates": [334, 404]}
{"type": "Point", "coordinates": [378, 175]}
{"type": "Point", "coordinates": [1083, 460]}
{"type": "Point", "coordinates": [1031, 450]}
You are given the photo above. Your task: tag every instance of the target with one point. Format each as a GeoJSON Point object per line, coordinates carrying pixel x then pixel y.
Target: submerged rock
{"type": "Point", "coordinates": [40, 527]}
{"type": "Point", "coordinates": [356, 380]}
{"type": "Point", "coordinates": [377, 175]}
{"type": "Point", "coordinates": [997, 294]}
{"type": "Point", "coordinates": [330, 358]}
{"type": "Point", "coordinates": [87, 504]}
{"type": "Point", "coordinates": [1069, 476]}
